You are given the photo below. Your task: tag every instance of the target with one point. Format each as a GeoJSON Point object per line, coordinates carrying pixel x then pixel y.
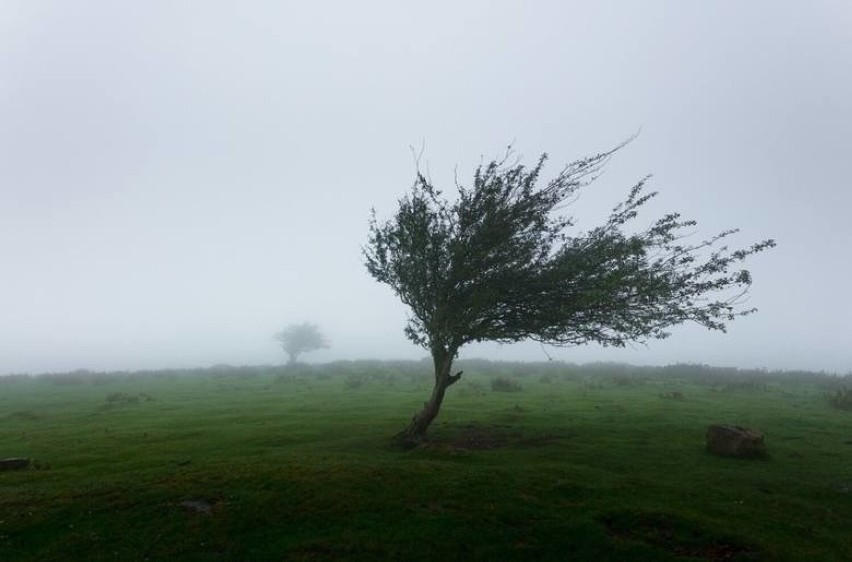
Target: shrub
{"type": "Point", "coordinates": [354, 382]}
{"type": "Point", "coordinates": [502, 384]}
{"type": "Point", "coordinates": [121, 398]}
{"type": "Point", "coordinates": [115, 398]}
{"type": "Point", "coordinates": [841, 398]}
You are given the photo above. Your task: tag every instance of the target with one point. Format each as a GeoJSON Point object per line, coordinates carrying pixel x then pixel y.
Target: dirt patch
{"type": "Point", "coordinates": [481, 437]}
{"type": "Point", "coordinates": [440, 447]}
{"type": "Point", "coordinates": [14, 464]}
{"type": "Point", "coordinates": [678, 536]}
{"type": "Point", "coordinates": [542, 440]}
{"type": "Point", "coordinates": [197, 506]}
{"type": "Point", "coordinates": [200, 506]}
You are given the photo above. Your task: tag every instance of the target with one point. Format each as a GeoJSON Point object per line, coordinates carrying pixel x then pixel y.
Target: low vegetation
{"type": "Point", "coordinates": [595, 462]}
{"type": "Point", "coordinates": [841, 398]}
{"type": "Point", "coordinates": [504, 384]}
{"type": "Point", "coordinates": [115, 398]}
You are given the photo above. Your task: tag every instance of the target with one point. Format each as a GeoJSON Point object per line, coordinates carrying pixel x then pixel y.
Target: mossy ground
{"type": "Point", "coordinates": [595, 463]}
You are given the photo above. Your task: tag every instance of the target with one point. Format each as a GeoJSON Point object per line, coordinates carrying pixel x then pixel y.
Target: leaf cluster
{"type": "Point", "coordinates": [498, 263]}
{"type": "Point", "coordinates": [300, 338]}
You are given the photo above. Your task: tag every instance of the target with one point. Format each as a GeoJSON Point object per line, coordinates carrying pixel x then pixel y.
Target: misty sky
{"type": "Point", "coordinates": [179, 180]}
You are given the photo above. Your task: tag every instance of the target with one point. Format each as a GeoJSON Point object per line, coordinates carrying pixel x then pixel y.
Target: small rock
{"type": "Point", "coordinates": [14, 464]}
{"type": "Point", "coordinates": [735, 441]}
{"type": "Point", "coordinates": [197, 506]}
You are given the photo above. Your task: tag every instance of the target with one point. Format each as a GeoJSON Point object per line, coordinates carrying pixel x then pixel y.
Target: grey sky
{"type": "Point", "coordinates": [178, 180]}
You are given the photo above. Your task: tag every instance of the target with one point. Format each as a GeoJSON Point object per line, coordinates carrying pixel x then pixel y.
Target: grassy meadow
{"type": "Point", "coordinates": [527, 462]}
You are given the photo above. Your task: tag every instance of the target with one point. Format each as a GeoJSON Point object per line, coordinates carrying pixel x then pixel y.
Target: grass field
{"type": "Point", "coordinates": [599, 462]}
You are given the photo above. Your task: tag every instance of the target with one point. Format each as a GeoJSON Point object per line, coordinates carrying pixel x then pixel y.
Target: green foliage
{"type": "Point", "coordinates": [296, 339]}
{"type": "Point", "coordinates": [841, 398]}
{"type": "Point", "coordinates": [354, 382]}
{"type": "Point", "coordinates": [503, 384]}
{"type": "Point", "coordinates": [498, 264]}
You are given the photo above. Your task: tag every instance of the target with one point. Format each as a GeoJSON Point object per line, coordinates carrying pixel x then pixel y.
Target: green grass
{"type": "Point", "coordinates": [601, 462]}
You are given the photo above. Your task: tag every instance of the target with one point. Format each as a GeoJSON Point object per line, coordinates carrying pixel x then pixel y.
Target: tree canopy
{"type": "Point", "coordinates": [499, 263]}
{"type": "Point", "coordinates": [296, 339]}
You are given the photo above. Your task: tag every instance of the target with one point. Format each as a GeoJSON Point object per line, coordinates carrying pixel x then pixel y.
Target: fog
{"type": "Point", "coordinates": [178, 181]}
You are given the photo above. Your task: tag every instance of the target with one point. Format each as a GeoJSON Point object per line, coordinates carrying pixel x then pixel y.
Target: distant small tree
{"type": "Point", "coordinates": [498, 264]}
{"type": "Point", "coordinates": [296, 339]}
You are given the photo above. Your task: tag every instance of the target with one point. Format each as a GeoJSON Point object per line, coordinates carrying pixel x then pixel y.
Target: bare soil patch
{"type": "Point", "coordinates": [481, 437]}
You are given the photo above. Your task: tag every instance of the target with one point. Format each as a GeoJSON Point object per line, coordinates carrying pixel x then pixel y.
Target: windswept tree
{"type": "Point", "coordinates": [498, 263]}
{"type": "Point", "coordinates": [296, 339]}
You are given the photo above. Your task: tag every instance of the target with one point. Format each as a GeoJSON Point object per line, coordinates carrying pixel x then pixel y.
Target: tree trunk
{"type": "Point", "coordinates": [416, 431]}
